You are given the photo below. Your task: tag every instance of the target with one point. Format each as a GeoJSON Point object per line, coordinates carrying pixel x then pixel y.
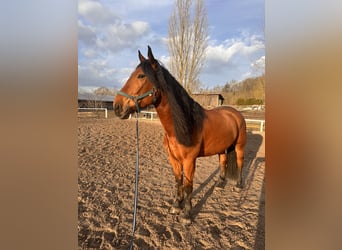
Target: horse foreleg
{"type": "Point", "coordinates": [189, 171]}
{"type": "Point", "coordinates": [177, 170]}
{"type": "Point", "coordinates": [178, 173]}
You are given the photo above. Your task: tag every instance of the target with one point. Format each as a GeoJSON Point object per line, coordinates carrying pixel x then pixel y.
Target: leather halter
{"type": "Point", "coordinates": [136, 99]}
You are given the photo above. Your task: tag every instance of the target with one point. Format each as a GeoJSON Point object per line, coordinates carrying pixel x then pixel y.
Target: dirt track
{"type": "Point", "coordinates": [222, 218]}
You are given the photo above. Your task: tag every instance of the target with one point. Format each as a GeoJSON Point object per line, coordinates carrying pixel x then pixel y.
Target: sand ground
{"type": "Point", "coordinates": [222, 218]}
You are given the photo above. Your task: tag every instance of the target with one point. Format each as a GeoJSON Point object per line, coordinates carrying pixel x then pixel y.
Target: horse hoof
{"type": "Point", "coordinates": [237, 188]}
{"type": "Point", "coordinates": [174, 210]}
{"type": "Point", "coordinates": [220, 184]}
{"type": "Point", "coordinates": [186, 220]}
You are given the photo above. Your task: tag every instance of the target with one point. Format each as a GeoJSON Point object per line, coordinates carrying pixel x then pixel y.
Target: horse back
{"type": "Point", "coordinates": [231, 112]}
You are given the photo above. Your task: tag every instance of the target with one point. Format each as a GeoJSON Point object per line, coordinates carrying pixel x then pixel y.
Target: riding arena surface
{"type": "Point", "coordinates": [227, 218]}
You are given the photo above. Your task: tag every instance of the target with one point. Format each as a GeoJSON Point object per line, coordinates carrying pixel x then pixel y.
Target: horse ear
{"type": "Point", "coordinates": [141, 57]}
{"type": "Point", "coordinates": [151, 57]}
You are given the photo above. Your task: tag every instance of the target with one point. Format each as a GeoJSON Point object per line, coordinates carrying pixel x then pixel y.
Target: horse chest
{"type": "Point", "coordinates": [179, 151]}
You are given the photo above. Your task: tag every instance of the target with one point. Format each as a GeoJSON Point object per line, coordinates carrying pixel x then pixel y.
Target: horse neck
{"type": "Point", "coordinates": [165, 116]}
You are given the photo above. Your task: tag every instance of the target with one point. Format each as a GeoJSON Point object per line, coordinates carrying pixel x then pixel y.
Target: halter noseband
{"type": "Point", "coordinates": [136, 99]}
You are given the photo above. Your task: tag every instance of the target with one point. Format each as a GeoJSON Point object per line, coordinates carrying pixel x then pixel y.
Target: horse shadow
{"type": "Point", "coordinates": [248, 171]}
{"type": "Point", "coordinates": [259, 242]}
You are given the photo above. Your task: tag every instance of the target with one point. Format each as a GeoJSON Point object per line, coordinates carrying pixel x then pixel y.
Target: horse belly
{"type": "Point", "coordinates": [216, 143]}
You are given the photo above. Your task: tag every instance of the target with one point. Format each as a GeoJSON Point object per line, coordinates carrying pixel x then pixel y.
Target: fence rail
{"type": "Point", "coordinates": [153, 115]}
{"type": "Point", "coordinates": [261, 122]}
{"type": "Point", "coordinates": [150, 115]}
{"type": "Point", "coordinates": [105, 110]}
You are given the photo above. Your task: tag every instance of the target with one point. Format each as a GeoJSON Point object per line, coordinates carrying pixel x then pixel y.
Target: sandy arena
{"type": "Point", "coordinates": [222, 218]}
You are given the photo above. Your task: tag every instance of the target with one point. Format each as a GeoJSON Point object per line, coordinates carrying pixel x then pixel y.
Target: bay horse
{"type": "Point", "coordinates": [190, 130]}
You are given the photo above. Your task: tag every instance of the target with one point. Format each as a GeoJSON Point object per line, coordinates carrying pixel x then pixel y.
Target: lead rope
{"type": "Point", "coordinates": [136, 181]}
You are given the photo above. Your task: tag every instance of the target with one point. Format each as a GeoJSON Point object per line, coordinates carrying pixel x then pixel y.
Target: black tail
{"type": "Point", "coordinates": [232, 169]}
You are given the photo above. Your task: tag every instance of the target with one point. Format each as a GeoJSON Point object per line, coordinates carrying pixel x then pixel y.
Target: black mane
{"type": "Point", "coordinates": [187, 115]}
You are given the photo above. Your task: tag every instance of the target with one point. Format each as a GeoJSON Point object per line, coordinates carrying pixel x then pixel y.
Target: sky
{"type": "Point", "coordinates": [110, 33]}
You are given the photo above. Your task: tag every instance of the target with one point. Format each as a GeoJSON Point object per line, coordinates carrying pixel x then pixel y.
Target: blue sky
{"type": "Point", "coordinates": [111, 32]}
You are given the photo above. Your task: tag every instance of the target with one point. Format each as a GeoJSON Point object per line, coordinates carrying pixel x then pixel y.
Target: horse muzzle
{"type": "Point", "coordinates": [122, 112]}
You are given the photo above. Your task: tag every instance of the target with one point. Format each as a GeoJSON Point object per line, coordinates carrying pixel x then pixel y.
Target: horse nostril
{"type": "Point", "coordinates": [117, 109]}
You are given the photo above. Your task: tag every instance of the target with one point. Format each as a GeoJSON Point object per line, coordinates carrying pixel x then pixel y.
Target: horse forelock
{"type": "Point", "coordinates": [187, 114]}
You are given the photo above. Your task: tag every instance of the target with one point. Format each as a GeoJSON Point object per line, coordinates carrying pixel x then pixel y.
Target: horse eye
{"type": "Point", "coordinates": [140, 76]}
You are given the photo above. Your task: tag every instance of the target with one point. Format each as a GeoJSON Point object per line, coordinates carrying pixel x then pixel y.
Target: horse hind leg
{"type": "Point", "coordinates": [239, 161]}
{"type": "Point", "coordinates": [221, 182]}
{"type": "Point", "coordinates": [240, 153]}
{"type": "Point", "coordinates": [235, 163]}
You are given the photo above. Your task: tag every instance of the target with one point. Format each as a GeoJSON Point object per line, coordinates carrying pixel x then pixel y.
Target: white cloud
{"type": "Point", "coordinates": [232, 58]}
{"type": "Point", "coordinates": [221, 53]}
{"type": "Point", "coordinates": [225, 51]}
{"type": "Point", "coordinates": [89, 52]}
{"type": "Point", "coordinates": [95, 12]}
{"type": "Point", "coordinates": [99, 26]}
{"type": "Point", "coordinates": [86, 33]}
{"type": "Point", "coordinates": [165, 60]}
{"type": "Point", "coordinates": [103, 38]}
{"type": "Point", "coordinates": [129, 30]}
{"type": "Point", "coordinates": [252, 45]}
{"type": "Point", "coordinates": [119, 36]}
{"type": "Point", "coordinates": [140, 27]}
{"type": "Point", "coordinates": [232, 52]}
{"type": "Point", "coordinates": [105, 33]}
{"type": "Point", "coordinates": [259, 64]}
{"type": "Point", "coordinates": [138, 5]}
{"type": "Point", "coordinates": [97, 72]}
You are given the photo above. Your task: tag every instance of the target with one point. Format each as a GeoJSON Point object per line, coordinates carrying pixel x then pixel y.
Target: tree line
{"type": "Point", "coordinates": [250, 91]}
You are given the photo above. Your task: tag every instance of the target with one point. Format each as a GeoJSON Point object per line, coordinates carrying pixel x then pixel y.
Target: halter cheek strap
{"type": "Point", "coordinates": [136, 99]}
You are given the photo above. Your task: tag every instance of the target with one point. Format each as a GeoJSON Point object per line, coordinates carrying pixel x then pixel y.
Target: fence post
{"type": "Point", "coordinates": [261, 126]}
{"type": "Point", "coordinates": [261, 122]}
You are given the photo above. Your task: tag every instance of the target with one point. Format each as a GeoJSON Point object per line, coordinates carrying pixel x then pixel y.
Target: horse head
{"type": "Point", "coordinates": [139, 91]}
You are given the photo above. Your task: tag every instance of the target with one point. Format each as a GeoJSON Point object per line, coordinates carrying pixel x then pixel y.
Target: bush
{"type": "Point", "coordinates": [249, 101]}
